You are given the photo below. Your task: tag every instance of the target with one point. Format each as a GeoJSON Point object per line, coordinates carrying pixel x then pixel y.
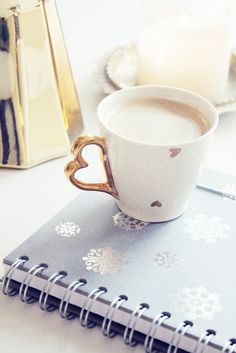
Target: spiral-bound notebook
{"type": "Point", "coordinates": [163, 285]}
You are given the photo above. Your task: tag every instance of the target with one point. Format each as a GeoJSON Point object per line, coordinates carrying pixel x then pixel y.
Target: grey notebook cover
{"type": "Point", "coordinates": [185, 266]}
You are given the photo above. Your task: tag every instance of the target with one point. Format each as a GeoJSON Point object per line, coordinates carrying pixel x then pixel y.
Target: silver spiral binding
{"type": "Point", "coordinates": [230, 346]}
{"type": "Point", "coordinates": [8, 276]}
{"type": "Point", "coordinates": [65, 301]}
{"type": "Point", "coordinates": [203, 341]}
{"type": "Point", "coordinates": [27, 281]}
{"type": "Point", "coordinates": [129, 330]}
{"type": "Point", "coordinates": [46, 291]}
{"type": "Point", "coordinates": [108, 318]}
{"type": "Point", "coordinates": [176, 338]}
{"type": "Point", "coordinates": [155, 324]}
{"type": "Point", "coordinates": [89, 301]}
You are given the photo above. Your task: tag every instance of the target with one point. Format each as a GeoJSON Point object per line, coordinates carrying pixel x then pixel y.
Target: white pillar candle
{"type": "Point", "coordinates": [188, 47]}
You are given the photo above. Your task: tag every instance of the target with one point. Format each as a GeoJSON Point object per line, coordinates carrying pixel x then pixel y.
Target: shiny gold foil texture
{"type": "Point", "coordinates": [39, 106]}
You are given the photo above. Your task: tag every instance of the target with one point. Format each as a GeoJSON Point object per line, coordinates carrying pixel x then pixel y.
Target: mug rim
{"type": "Point", "coordinates": [212, 109]}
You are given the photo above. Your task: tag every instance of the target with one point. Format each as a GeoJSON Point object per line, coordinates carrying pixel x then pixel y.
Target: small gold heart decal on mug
{"type": "Point", "coordinates": [156, 204]}
{"type": "Point", "coordinates": [174, 151]}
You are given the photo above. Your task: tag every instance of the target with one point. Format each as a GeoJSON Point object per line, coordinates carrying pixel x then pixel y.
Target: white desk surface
{"type": "Point", "coordinates": [30, 197]}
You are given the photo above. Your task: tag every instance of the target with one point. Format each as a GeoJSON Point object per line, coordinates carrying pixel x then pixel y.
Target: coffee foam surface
{"type": "Point", "coordinates": [157, 121]}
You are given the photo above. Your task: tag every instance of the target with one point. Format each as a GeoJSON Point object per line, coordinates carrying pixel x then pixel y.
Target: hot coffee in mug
{"type": "Point", "coordinates": [157, 120]}
{"type": "Point", "coordinates": [154, 142]}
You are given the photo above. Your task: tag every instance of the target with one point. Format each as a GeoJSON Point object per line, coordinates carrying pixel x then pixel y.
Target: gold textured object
{"type": "Point", "coordinates": [79, 163]}
{"type": "Point", "coordinates": [39, 107]}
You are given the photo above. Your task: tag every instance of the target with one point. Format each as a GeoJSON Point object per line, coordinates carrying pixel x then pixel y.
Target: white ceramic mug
{"type": "Point", "coordinates": [150, 181]}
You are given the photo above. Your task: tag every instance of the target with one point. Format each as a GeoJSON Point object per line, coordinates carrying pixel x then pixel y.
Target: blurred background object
{"type": "Point", "coordinates": [39, 107]}
{"type": "Point", "coordinates": [187, 44]}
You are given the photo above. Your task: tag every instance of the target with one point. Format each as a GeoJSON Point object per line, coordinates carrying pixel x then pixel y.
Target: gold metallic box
{"type": "Point", "coordinates": [39, 106]}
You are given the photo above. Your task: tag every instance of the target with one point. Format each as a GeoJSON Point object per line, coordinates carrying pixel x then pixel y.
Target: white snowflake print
{"type": "Point", "coordinates": [207, 228]}
{"type": "Point", "coordinates": [167, 259]}
{"type": "Point", "coordinates": [104, 260]}
{"type": "Point", "coordinates": [67, 229]}
{"type": "Point", "coordinates": [196, 303]}
{"type": "Point", "coordinates": [230, 192]}
{"type": "Point", "coordinates": [127, 223]}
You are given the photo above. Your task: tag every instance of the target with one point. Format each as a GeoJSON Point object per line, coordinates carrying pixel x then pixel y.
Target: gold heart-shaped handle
{"type": "Point", "coordinates": [78, 163]}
